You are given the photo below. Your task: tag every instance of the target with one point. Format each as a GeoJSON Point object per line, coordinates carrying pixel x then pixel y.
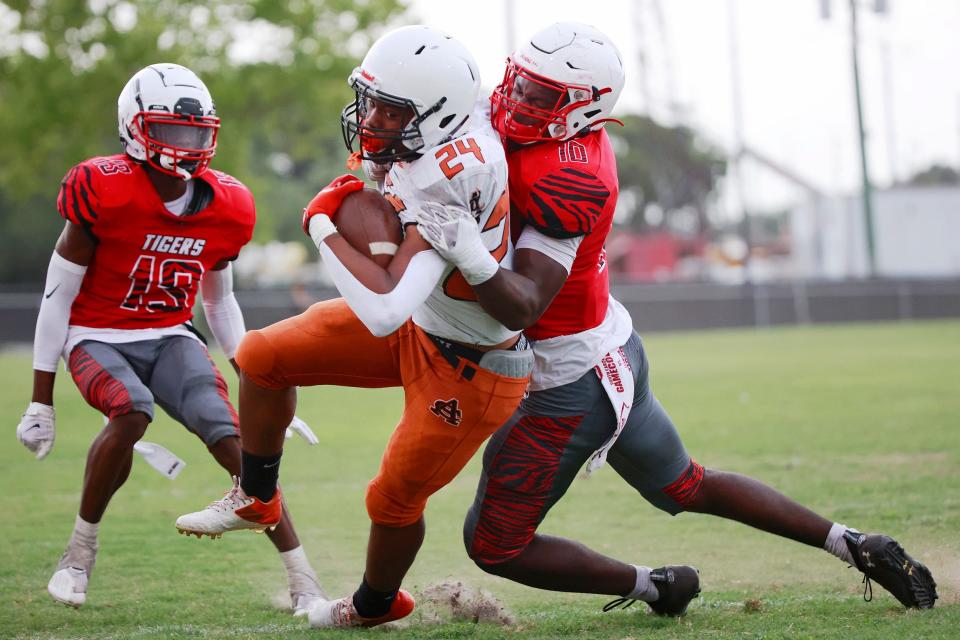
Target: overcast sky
{"type": "Point", "coordinates": [795, 69]}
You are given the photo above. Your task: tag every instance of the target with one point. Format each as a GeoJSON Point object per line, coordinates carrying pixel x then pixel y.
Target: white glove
{"type": "Point", "coordinates": [36, 429]}
{"type": "Point", "coordinates": [376, 171]}
{"type": "Point", "coordinates": [455, 234]}
{"type": "Point", "coordinates": [300, 427]}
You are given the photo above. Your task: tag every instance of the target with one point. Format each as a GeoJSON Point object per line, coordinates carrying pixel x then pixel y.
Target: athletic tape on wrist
{"type": "Point", "coordinates": [484, 268]}
{"type": "Point", "coordinates": [320, 227]}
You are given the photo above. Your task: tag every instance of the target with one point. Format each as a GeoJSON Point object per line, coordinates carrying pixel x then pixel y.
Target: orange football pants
{"type": "Point", "coordinates": [446, 416]}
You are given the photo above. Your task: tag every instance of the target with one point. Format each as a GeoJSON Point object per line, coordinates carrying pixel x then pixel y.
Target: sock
{"type": "Point", "coordinates": [370, 603]}
{"type": "Point", "coordinates": [300, 575]}
{"type": "Point", "coordinates": [81, 551]}
{"type": "Point", "coordinates": [836, 545]}
{"type": "Point", "coordinates": [645, 589]}
{"type": "Point", "coordinates": [259, 475]}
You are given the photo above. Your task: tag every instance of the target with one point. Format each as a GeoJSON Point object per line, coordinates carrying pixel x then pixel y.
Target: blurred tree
{"type": "Point", "coordinates": [277, 72]}
{"type": "Point", "coordinates": [937, 175]}
{"type": "Point", "coordinates": [667, 175]}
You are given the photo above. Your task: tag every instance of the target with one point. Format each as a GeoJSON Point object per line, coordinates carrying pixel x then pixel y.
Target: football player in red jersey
{"type": "Point", "coordinates": [590, 397]}
{"type": "Point", "coordinates": [144, 231]}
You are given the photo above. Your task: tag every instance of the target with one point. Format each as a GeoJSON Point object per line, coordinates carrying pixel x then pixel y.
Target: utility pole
{"type": "Point", "coordinates": [736, 166]}
{"type": "Point", "coordinates": [867, 188]}
{"type": "Point", "coordinates": [510, 21]}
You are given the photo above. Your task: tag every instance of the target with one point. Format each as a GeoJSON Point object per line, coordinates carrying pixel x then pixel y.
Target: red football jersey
{"type": "Point", "coordinates": [564, 190]}
{"type": "Point", "coordinates": [149, 262]}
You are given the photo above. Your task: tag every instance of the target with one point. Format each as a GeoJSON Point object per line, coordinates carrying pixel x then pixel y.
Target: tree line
{"type": "Point", "coordinates": [277, 72]}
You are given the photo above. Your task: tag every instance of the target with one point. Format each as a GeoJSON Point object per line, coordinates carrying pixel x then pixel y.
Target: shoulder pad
{"type": "Point", "coordinates": [234, 196]}
{"type": "Point", "coordinates": [94, 186]}
{"type": "Point", "coordinates": [565, 203]}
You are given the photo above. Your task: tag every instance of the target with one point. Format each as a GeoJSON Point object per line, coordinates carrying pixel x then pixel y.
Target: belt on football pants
{"type": "Point", "coordinates": [453, 352]}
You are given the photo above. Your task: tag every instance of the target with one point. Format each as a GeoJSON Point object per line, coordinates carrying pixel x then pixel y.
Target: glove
{"type": "Point", "coordinates": [330, 198]}
{"type": "Point", "coordinates": [455, 234]}
{"type": "Point", "coordinates": [300, 427]}
{"type": "Point", "coordinates": [36, 429]}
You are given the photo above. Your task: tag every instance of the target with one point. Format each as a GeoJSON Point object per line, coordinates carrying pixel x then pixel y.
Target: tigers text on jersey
{"type": "Point", "coordinates": [471, 172]}
{"type": "Point", "coordinates": [564, 190]}
{"type": "Point", "coordinates": [149, 262]}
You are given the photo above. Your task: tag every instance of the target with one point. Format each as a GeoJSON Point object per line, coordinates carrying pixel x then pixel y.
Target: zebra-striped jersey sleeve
{"type": "Point", "coordinates": [566, 203]}
{"type": "Point", "coordinates": [78, 201]}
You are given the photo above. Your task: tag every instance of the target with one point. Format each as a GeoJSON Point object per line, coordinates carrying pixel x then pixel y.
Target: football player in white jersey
{"type": "Point", "coordinates": [463, 372]}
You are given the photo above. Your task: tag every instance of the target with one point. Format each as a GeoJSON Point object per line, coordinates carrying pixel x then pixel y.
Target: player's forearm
{"type": "Point", "coordinates": [512, 299]}
{"type": "Point", "coordinates": [43, 382]}
{"type": "Point", "coordinates": [371, 275]}
{"type": "Point", "coordinates": [222, 310]}
{"type": "Point", "coordinates": [366, 271]}
{"type": "Point", "coordinates": [383, 313]}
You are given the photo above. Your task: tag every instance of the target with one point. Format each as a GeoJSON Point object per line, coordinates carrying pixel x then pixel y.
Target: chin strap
{"type": "Point", "coordinates": [167, 163]}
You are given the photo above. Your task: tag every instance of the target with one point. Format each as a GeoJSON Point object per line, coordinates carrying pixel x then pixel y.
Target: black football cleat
{"type": "Point", "coordinates": [677, 586]}
{"type": "Point", "coordinates": [883, 560]}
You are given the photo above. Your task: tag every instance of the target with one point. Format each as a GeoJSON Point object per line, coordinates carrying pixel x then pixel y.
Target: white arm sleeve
{"type": "Point", "coordinates": [383, 313]}
{"type": "Point", "coordinates": [562, 251]}
{"type": "Point", "coordinates": [63, 284]}
{"type": "Point", "coordinates": [222, 310]}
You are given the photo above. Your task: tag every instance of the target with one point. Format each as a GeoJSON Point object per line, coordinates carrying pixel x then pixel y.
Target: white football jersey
{"type": "Point", "coordinates": [470, 171]}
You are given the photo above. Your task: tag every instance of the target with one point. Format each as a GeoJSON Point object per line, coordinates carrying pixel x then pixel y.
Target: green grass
{"type": "Point", "coordinates": [858, 422]}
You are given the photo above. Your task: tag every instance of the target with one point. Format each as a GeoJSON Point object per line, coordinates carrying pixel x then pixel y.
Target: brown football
{"type": "Point", "coordinates": [370, 224]}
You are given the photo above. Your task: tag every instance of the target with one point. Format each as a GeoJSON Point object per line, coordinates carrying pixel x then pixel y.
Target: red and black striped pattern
{"type": "Point", "coordinates": [566, 203]}
{"type": "Point", "coordinates": [224, 393]}
{"type": "Point", "coordinates": [519, 479]}
{"type": "Point", "coordinates": [78, 200]}
{"type": "Point", "coordinates": [101, 390]}
{"type": "Point", "coordinates": [684, 489]}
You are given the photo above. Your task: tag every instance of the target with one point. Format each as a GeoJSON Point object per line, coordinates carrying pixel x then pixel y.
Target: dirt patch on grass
{"type": "Point", "coordinates": [944, 564]}
{"type": "Point", "coordinates": [454, 601]}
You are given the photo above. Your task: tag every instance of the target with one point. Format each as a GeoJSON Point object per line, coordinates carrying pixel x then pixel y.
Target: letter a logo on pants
{"type": "Point", "coordinates": [449, 410]}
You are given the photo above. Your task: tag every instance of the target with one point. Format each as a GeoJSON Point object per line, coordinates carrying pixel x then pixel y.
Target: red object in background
{"type": "Point", "coordinates": [649, 257]}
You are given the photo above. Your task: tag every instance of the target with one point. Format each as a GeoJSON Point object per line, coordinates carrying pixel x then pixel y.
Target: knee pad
{"type": "Point", "coordinates": [256, 358]}
{"type": "Point", "coordinates": [684, 489]}
{"type": "Point", "coordinates": [388, 510]}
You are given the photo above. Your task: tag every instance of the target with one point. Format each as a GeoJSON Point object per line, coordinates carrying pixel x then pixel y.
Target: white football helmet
{"type": "Point", "coordinates": [168, 120]}
{"type": "Point", "coordinates": [419, 68]}
{"type": "Point", "coordinates": [563, 81]}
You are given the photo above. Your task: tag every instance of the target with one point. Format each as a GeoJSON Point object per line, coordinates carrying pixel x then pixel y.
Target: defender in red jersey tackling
{"type": "Point", "coordinates": [590, 397]}
{"type": "Point", "coordinates": [144, 231]}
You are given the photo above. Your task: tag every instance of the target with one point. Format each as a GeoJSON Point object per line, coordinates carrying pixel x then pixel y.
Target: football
{"type": "Point", "coordinates": [370, 224]}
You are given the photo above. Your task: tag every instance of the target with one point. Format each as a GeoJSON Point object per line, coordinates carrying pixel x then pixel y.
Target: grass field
{"type": "Point", "coordinates": [861, 423]}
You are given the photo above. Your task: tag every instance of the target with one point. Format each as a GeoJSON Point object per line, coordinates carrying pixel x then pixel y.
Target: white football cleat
{"type": "Point", "coordinates": [69, 586]}
{"type": "Point", "coordinates": [302, 603]}
{"type": "Point", "coordinates": [342, 613]}
{"type": "Point", "coordinates": [235, 511]}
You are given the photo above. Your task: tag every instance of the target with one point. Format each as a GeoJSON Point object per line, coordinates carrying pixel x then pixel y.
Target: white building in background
{"type": "Point", "coordinates": [916, 234]}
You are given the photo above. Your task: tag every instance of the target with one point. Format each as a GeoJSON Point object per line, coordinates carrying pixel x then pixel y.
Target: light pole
{"type": "Point", "coordinates": [867, 187]}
